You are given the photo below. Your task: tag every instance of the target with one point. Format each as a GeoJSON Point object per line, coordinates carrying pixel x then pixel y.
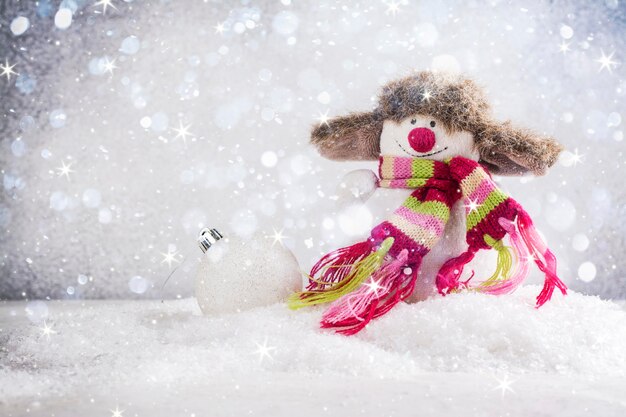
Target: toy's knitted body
{"type": "Point", "coordinates": [432, 133]}
{"type": "Point", "coordinates": [367, 279]}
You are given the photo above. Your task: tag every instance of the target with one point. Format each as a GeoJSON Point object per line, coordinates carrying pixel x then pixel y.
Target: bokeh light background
{"type": "Point", "coordinates": [172, 115]}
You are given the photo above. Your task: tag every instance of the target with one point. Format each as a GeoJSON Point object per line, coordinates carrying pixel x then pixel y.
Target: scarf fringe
{"type": "Point", "coordinates": [512, 264]}
{"type": "Point", "coordinates": [543, 257]}
{"type": "Point", "coordinates": [449, 276]}
{"type": "Point", "coordinates": [335, 266]}
{"type": "Point", "coordinates": [341, 272]}
{"type": "Point", "coordinates": [388, 286]}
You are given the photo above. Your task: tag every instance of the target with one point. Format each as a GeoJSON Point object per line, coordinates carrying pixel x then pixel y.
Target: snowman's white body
{"type": "Point", "coordinates": [360, 187]}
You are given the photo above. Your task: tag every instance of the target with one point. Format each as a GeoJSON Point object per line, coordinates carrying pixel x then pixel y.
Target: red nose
{"type": "Point", "coordinates": [421, 139]}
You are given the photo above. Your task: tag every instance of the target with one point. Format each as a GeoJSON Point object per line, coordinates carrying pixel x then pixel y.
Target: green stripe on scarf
{"type": "Point", "coordinates": [493, 200]}
{"type": "Point", "coordinates": [434, 208]}
{"type": "Point", "coordinates": [422, 168]}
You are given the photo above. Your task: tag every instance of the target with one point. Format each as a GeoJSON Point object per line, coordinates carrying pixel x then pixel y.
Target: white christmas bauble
{"type": "Point", "coordinates": [236, 275]}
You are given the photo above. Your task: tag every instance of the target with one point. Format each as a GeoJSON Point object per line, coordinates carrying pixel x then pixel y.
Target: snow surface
{"type": "Point", "coordinates": [465, 354]}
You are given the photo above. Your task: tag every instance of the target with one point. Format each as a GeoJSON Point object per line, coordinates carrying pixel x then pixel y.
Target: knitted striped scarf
{"type": "Point", "coordinates": [366, 280]}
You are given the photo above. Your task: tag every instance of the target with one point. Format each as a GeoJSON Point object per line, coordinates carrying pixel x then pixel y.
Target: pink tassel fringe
{"type": "Point", "coordinates": [543, 256]}
{"type": "Point", "coordinates": [449, 275]}
{"type": "Point", "coordinates": [526, 243]}
{"type": "Point", "coordinates": [386, 288]}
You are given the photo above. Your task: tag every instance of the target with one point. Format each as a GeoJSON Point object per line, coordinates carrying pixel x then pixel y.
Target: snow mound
{"type": "Point", "coordinates": [105, 343]}
{"type": "Point", "coordinates": [473, 332]}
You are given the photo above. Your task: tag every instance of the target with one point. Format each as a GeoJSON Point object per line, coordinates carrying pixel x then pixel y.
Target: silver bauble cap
{"type": "Point", "coordinates": [207, 237]}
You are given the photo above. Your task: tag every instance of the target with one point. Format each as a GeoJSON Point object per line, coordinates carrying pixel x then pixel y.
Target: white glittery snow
{"type": "Point", "coordinates": [445, 354]}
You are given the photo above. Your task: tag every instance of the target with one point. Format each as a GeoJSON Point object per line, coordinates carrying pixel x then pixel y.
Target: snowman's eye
{"type": "Point", "coordinates": [432, 123]}
{"type": "Point", "coordinates": [413, 121]}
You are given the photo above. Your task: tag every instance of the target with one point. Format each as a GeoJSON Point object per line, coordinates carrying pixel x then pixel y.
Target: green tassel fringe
{"type": "Point", "coordinates": [504, 264]}
{"type": "Point", "coordinates": [361, 270]}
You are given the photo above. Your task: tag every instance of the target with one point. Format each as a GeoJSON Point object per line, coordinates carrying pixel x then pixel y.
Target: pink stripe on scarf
{"type": "Point", "coordinates": [431, 223]}
{"type": "Point", "coordinates": [483, 190]}
{"type": "Point", "coordinates": [402, 168]}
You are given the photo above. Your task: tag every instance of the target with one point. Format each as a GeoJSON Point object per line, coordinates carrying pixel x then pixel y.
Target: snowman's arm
{"type": "Point", "coordinates": [357, 186]}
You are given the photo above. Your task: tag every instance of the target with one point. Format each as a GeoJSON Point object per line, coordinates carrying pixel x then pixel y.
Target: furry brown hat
{"type": "Point", "coordinates": [459, 104]}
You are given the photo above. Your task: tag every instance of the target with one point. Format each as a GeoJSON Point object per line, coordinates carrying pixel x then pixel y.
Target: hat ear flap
{"type": "Point", "coordinates": [506, 150]}
{"type": "Point", "coordinates": [352, 137]}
